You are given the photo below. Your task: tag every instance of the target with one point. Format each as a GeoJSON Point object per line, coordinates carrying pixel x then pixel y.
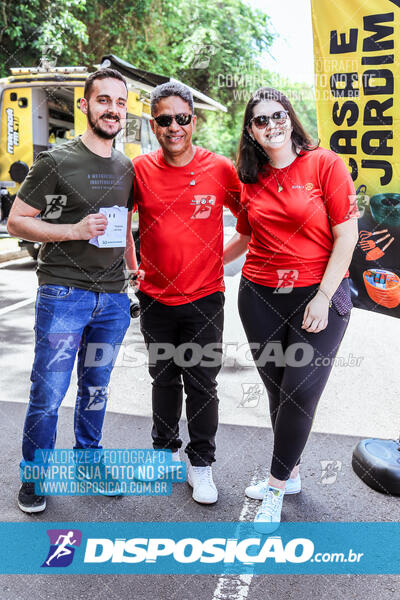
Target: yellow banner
{"type": "Point", "coordinates": [357, 68]}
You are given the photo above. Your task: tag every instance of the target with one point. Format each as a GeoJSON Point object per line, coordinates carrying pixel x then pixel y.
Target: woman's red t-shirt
{"type": "Point", "coordinates": [291, 229]}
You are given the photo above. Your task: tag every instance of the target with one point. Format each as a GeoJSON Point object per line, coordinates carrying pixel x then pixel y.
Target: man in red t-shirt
{"type": "Point", "coordinates": [180, 191]}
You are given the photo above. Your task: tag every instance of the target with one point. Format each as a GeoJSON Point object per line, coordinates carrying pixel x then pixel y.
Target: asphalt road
{"type": "Point", "coordinates": [359, 401]}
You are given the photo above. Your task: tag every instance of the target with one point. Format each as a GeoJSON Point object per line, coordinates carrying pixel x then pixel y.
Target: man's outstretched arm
{"type": "Point", "coordinates": [23, 224]}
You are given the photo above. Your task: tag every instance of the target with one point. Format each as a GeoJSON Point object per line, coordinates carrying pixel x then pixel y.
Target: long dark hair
{"type": "Point", "coordinates": [252, 158]}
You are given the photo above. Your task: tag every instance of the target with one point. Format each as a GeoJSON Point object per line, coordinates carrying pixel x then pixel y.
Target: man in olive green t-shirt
{"type": "Point", "coordinates": [82, 191]}
{"type": "Point", "coordinates": [66, 185]}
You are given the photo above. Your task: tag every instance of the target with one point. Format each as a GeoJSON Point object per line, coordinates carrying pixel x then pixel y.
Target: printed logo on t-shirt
{"type": "Point", "coordinates": [286, 279]}
{"type": "Point", "coordinates": [54, 205]}
{"type": "Point", "coordinates": [105, 181]}
{"type": "Point", "coordinates": [203, 204]}
{"type": "Point", "coordinates": [307, 186]}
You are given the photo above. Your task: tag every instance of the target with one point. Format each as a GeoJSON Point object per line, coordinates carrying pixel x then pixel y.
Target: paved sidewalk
{"type": "Point", "coordinates": [9, 249]}
{"type": "Point", "coordinates": [242, 451]}
{"type": "Point", "coordinates": [358, 402]}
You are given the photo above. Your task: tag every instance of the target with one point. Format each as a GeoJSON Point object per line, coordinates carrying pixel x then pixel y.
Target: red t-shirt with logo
{"type": "Point", "coordinates": [290, 230]}
{"type": "Point", "coordinates": [181, 225]}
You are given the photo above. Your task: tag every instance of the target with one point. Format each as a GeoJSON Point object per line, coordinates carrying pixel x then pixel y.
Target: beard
{"type": "Point", "coordinates": [97, 128]}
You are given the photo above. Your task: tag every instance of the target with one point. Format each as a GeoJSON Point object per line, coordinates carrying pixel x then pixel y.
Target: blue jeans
{"type": "Point", "coordinates": [69, 321]}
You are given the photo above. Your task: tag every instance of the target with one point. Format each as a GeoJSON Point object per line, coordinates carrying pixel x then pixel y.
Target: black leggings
{"type": "Point", "coordinates": [288, 360]}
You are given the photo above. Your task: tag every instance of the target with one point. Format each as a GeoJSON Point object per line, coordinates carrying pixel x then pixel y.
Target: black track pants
{"type": "Point", "coordinates": [189, 328]}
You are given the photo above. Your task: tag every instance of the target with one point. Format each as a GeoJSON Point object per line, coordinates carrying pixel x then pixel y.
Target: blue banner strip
{"type": "Point", "coordinates": [199, 548]}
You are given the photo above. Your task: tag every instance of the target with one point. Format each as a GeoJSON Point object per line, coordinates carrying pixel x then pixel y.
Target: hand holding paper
{"type": "Point", "coordinates": [115, 233]}
{"type": "Point", "coordinates": [92, 225]}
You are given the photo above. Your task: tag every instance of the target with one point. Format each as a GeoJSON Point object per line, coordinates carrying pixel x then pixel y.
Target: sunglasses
{"type": "Point", "coordinates": [165, 120]}
{"type": "Point", "coordinates": [262, 121]}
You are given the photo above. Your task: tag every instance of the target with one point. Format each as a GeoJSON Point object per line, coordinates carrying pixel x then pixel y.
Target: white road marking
{"type": "Point", "coordinates": [236, 587]}
{"type": "Point", "coordinates": [17, 305]}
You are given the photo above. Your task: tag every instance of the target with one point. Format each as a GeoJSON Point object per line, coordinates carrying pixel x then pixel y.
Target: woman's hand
{"type": "Point", "coordinates": [316, 314]}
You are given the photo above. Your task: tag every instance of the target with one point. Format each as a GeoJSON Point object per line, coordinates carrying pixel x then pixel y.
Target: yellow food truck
{"type": "Point", "coordinates": [39, 108]}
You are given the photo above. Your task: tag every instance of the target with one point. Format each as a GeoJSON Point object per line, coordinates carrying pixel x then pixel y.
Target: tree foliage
{"type": "Point", "coordinates": [210, 45]}
{"type": "Point", "coordinates": [30, 29]}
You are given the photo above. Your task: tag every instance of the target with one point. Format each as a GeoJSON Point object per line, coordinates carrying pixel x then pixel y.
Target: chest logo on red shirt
{"type": "Point", "coordinates": [307, 186]}
{"type": "Point", "coordinates": [203, 204]}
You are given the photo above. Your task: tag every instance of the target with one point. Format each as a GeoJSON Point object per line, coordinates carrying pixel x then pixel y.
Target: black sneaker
{"type": "Point", "coordinates": [28, 501]}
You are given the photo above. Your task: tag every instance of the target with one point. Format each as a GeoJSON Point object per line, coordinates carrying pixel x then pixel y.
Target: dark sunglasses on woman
{"type": "Point", "coordinates": [262, 121]}
{"type": "Point", "coordinates": [182, 119]}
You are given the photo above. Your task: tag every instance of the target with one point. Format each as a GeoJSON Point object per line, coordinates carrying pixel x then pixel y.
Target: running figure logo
{"type": "Point", "coordinates": [98, 397]}
{"type": "Point", "coordinates": [203, 204]}
{"type": "Point", "coordinates": [55, 204]}
{"type": "Point", "coordinates": [252, 394]}
{"type": "Point", "coordinates": [330, 470]}
{"type": "Point", "coordinates": [62, 547]}
{"type": "Point", "coordinates": [286, 279]}
{"type": "Point", "coordinates": [50, 52]}
{"type": "Point", "coordinates": [202, 56]}
{"type": "Point", "coordinates": [65, 345]}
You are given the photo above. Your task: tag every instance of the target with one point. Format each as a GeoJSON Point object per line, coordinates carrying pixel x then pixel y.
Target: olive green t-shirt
{"type": "Point", "coordinates": [66, 184]}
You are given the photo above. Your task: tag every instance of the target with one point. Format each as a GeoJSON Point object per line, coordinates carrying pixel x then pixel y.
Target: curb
{"type": "Point", "coordinates": [15, 254]}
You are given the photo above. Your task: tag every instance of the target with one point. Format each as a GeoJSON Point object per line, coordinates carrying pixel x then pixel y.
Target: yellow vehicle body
{"type": "Point", "coordinates": [41, 110]}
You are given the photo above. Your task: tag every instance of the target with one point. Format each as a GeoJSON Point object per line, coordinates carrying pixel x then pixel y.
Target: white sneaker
{"type": "Point", "coordinates": [201, 480]}
{"type": "Point", "coordinates": [268, 517]}
{"type": "Point", "coordinates": [258, 490]}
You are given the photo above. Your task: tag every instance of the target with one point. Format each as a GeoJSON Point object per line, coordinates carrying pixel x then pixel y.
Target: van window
{"type": "Point", "coordinates": [60, 102]}
{"type": "Point", "coordinates": [149, 140]}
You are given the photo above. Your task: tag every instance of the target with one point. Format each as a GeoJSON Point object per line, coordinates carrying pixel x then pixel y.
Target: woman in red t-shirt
{"type": "Point", "coordinates": [298, 223]}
